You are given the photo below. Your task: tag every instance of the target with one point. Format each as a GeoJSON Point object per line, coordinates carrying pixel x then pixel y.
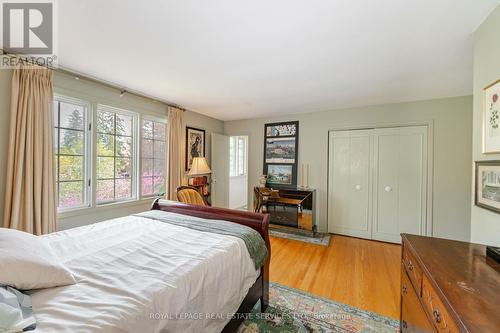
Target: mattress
{"type": "Point", "coordinates": [140, 275]}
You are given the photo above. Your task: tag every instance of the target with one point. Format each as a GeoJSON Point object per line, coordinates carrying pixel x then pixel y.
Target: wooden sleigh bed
{"type": "Point", "coordinates": [144, 272]}
{"type": "Point", "coordinates": [259, 222]}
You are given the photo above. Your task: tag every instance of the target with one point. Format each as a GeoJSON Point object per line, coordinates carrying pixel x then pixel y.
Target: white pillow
{"type": "Point", "coordinates": [28, 262]}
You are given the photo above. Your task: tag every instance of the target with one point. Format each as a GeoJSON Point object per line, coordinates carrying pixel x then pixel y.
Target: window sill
{"type": "Point", "coordinates": [104, 207]}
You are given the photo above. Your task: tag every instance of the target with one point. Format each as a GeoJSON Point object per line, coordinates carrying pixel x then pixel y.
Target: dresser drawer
{"type": "Point", "coordinates": [413, 317]}
{"type": "Point", "coordinates": [436, 309]}
{"type": "Point", "coordinates": [413, 269]}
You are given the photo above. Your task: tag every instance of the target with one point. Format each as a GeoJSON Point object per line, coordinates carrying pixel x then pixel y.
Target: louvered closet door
{"type": "Point", "coordinates": [349, 183]}
{"type": "Point", "coordinates": [400, 182]}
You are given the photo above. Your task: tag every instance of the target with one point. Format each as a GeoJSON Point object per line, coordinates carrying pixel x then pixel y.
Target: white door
{"type": "Point", "coordinates": [220, 170]}
{"type": "Point", "coordinates": [349, 184]}
{"type": "Point", "coordinates": [400, 182]}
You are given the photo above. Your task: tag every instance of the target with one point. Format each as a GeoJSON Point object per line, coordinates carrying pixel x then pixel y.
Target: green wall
{"type": "Point", "coordinates": [452, 122]}
{"type": "Point", "coordinates": [485, 225]}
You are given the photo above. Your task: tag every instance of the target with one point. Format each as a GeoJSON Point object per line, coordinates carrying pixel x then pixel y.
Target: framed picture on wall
{"type": "Point", "coordinates": [491, 118]}
{"type": "Point", "coordinates": [280, 174]}
{"type": "Point", "coordinates": [280, 150]}
{"type": "Point", "coordinates": [281, 142]}
{"type": "Point", "coordinates": [488, 185]}
{"type": "Point", "coordinates": [195, 145]}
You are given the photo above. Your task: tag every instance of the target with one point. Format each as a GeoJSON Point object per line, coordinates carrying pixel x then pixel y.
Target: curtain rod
{"type": "Point", "coordinates": [108, 84]}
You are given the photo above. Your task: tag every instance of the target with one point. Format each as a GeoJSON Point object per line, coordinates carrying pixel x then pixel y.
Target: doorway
{"type": "Point", "coordinates": [238, 172]}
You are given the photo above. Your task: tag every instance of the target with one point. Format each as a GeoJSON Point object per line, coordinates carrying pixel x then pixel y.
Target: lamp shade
{"type": "Point", "coordinates": [199, 167]}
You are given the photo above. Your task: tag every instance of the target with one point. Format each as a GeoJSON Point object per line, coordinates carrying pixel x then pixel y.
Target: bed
{"type": "Point", "coordinates": [137, 274]}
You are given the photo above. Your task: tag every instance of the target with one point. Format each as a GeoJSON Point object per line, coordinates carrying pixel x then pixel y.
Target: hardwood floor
{"type": "Point", "coordinates": [358, 272]}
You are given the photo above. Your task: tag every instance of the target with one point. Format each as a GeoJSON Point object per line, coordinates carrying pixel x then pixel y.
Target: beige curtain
{"type": "Point", "coordinates": [175, 151]}
{"type": "Point", "coordinates": [30, 203]}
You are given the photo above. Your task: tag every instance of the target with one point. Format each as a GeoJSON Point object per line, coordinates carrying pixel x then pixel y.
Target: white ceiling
{"type": "Point", "coordinates": [234, 59]}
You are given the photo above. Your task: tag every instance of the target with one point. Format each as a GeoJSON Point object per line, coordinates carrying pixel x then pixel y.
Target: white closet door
{"type": "Point", "coordinates": [349, 187]}
{"type": "Point", "coordinates": [400, 182]}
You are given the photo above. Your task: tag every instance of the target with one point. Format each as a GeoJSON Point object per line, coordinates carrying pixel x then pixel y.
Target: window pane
{"type": "Point", "coordinates": [71, 142]}
{"type": "Point", "coordinates": [55, 108]}
{"type": "Point", "coordinates": [72, 116]}
{"type": "Point", "coordinates": [105, 145]}
{"type": "Point", "coordinates": [123, 146]}
{"type": "Point", "coordinates": [159, 185]}
{"type": "Point", "coordinates": [123, 188]}
{"type": "Point", "coordinates": [123, 168]}
{"type": "Point", "coordinates": [159, 151]}
{"type": "Point", "coordinates": [71, 194]}
{"type": "Point", "coordinates": [105, 167]}
{"type": "Point", "coordinates": [147, 186]}
{"type": "Point", "coordinates": [159, 168]}
{"type": "Point", "coordinates": [123, 125]}
{"type": "Point", "coordinates": [147, 129]}
{"type": "Point", "coordinates": [56, 139]}
{"type": "Point", "coordinates": [105, 190]}
{"type": "Point", "coordinates": [106, 122]}
{"type": "Point", "coordinates": [147, 167]}
{"type": "Point", "coordinates": [70, 168]}
{"type": "Point", "coordinates": [147, 148]}
{"type": "Point", "coordinates": [160, 131]}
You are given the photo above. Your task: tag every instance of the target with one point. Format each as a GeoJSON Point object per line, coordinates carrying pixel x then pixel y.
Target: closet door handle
{"type": "Point", "coordinates": [357, 187]}
{"type": "Point", "coordinates": [388, 189]}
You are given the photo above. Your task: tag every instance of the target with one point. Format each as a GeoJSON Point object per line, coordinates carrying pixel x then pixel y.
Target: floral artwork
{"type": "Point", "coordinates": [491, 120]}
{"type": "Point", "coordinates": [494, 112]}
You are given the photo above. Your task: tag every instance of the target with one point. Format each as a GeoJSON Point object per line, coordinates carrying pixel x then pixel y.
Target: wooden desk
{"type": "Point", "coordinates": [293, 208]}
{"type": "Point", "coordinates": [448, 287]}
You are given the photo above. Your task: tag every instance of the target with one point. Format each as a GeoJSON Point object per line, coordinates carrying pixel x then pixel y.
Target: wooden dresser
{"type": "Point", "coordinates": [448, 287]}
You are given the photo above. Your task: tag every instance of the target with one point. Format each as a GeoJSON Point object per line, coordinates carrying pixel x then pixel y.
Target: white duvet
{"type": "Point", "coordinates": [140, 275]}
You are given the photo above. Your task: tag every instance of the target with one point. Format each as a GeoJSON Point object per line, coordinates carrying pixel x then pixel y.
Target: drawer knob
{"type": "Point", "coordinates": [405, 289]}
{"type": "Point", "coordinates": [436, 315]}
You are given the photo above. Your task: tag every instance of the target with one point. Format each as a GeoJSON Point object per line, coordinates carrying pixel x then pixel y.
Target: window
{"type": "Point", "coordinates": [153, 158]}
{"type": "Point", "coordinates": [71, 148]}
{"type": "Point", "coordinates": [115, 151]}
{"type": "Point", "coordinates": [97, 154]}
{"type": "Point", "coordinates": [238, 155]}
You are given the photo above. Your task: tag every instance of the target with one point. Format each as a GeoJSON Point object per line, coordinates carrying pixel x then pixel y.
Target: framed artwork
{"type": "Point", "coordinates": [280, 174]}
{"type": "Point", "coordinates": [281, 153]}
{"type": "Point", "coordinates": [488, 185]}
{"type": "Point", "coordinates": [195, 145]}
{"type": "Point", "coordinates": [282, 129]}
{"type": "Point", "coordinates": [491, 118]}
{"type": "Point", "coordinates": [280, 150]}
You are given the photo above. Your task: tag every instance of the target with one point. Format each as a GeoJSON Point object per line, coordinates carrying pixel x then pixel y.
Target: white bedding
{"type": "Point", "coordinates": [140, 275]}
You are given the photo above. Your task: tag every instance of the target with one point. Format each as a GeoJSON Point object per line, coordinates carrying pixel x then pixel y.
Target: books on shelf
{"type": "Point", "coordinates": [198, 181]}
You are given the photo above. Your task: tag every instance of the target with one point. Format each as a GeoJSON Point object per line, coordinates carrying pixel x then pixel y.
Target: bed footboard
{"type": "Point", "coordinates": [256, 221]}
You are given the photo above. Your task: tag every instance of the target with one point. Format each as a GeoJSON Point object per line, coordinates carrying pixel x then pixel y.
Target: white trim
{"type": "Point", "coordinates": [87, 200]}
{"type": "Point", "coordinates": [134, 157]}
{"type": "Point", "coordinates": [140, 158]}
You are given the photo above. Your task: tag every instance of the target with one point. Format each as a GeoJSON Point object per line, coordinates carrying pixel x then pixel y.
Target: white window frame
{"type": "Point", "coordinates": [87, 196]}
{"type": "Point", "coordinates": [134, 158]}
{"type": "Point", "coordinates": [158, 120]}
{"type": "Point", "coordinates": [237, 165]}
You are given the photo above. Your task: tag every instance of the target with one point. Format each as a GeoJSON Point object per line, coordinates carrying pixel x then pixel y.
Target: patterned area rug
{"type": "Point", "coordinates": [320, 239]}
{"type": "Point", "coordinates": [293, 311]}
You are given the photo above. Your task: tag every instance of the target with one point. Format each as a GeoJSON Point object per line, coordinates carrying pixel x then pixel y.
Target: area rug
{"type": "Point", "coordinates": [320, 239]}
{"type": "Point", "coordinates": [294, 311]}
